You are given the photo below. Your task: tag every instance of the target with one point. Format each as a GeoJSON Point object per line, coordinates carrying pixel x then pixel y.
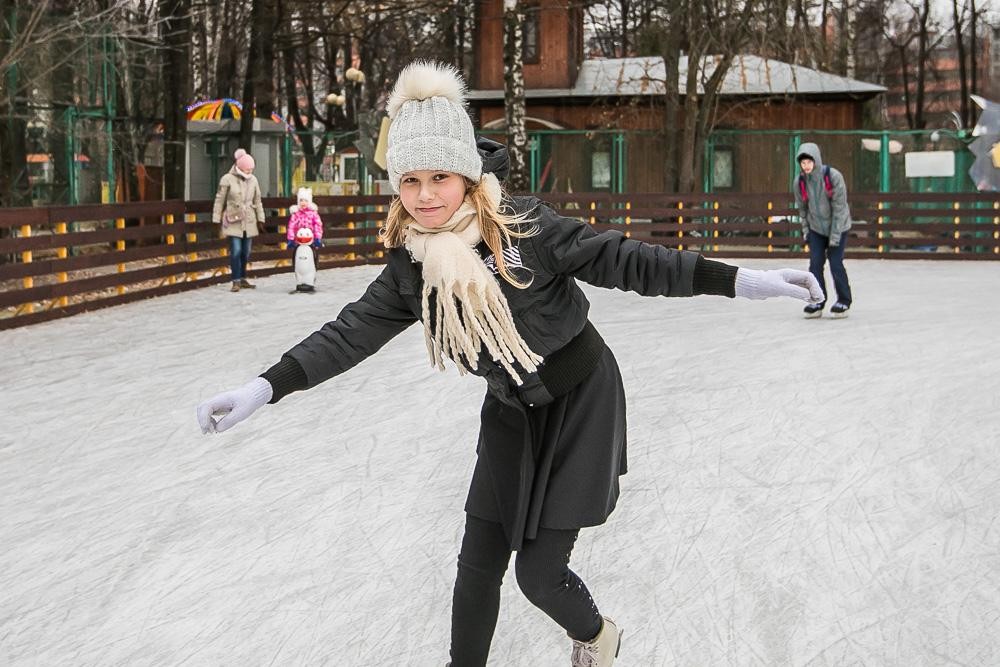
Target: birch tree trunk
{"type": "Point", "coordinates": [514, 108]}
{"type": "Point", "coordinates": [974, 51]}
{"type": "Point", "coordinates": [923, 46]}
{"type": "Point", "coordinates": [963, 79]}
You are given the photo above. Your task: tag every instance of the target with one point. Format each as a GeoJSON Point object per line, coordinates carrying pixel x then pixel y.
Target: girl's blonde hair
{"type": "Point", "coordinates": [497, 227]}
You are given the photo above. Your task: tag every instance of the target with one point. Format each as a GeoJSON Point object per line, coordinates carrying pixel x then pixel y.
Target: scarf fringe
{"type": "Point", "coordinates": [470, 310]}
{"type": "Point", "coordinates": [485, 320]}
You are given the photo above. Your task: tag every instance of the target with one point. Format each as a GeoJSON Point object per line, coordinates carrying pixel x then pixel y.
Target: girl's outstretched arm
{"type": "Point", "coordinates": [610, 259]}
{"type": "Point", "coordinates": [359, 331]}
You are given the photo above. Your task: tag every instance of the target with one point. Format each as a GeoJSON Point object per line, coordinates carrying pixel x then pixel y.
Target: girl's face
{"type": "Point", "coordinates": [303, 203]}
{"type": "Point", "coordinates": [431, 197]}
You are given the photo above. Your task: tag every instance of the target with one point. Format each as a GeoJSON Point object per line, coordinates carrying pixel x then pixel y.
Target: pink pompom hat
{"type": "Point", "coordinates": [244, 161]}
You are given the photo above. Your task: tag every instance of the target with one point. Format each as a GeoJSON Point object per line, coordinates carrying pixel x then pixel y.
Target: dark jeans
{"type": "Point", "coordinates": [820, 250]}
{"type": "Point", "coordinates": [543, 575]}
{"type": "Point", "coordinates": [239, 255]}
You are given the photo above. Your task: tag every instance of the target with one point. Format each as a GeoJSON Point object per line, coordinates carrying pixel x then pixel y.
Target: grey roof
{"type": "Point", "coordinates": [748, 75]}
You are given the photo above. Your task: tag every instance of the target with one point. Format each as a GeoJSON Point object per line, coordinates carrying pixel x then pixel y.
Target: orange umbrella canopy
{"type": "Point", "coordinates": [222, 109]}
{"type": "Point", "coordinates": [215, 109]}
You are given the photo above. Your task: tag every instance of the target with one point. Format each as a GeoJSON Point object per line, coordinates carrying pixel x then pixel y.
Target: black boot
{"type": "Point", "coordinates": [840, 309]}
{"type": "Point", "coordinates": [813, 310]}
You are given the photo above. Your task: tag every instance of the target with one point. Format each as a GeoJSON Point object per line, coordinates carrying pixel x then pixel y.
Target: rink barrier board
{"type": "Point", "coordinates": [55, 242]}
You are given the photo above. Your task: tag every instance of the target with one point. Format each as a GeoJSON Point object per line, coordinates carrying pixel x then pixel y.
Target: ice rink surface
{"type": "Point", "coordinates": [801, 492]}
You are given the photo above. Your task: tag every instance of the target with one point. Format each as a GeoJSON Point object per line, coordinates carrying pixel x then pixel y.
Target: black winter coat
{"type": "Point", "coordinates": [544, 460]}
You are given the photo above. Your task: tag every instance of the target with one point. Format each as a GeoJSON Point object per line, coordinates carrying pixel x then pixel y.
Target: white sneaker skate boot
{"type": "Point", "coordinates": [600, 651]}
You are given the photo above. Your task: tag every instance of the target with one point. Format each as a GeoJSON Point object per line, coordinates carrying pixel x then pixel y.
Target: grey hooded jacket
{"type": "Point", "coordinates": [829, 216]}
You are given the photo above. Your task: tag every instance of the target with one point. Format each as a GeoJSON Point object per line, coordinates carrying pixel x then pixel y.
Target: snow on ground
{"type": "Point", "coordinates": [801, 492]}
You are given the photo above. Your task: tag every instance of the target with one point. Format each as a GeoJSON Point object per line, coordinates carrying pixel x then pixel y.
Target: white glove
{"type": "Point", "coordinates": [225, 410]}
{"type": "Point", "coordinates": [753, 284]}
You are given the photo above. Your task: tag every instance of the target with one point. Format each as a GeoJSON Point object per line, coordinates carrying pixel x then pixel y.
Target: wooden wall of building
{"type": "Point", "coordinates": [560, 40]}
{"type": "Point", "coordinates": [760, 161]}
{"type": "Point", "coordinates": [647, 114]}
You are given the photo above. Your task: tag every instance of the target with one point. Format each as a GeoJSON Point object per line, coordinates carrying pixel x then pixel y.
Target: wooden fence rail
{"type": "Point", "coordinates": [62, 260]}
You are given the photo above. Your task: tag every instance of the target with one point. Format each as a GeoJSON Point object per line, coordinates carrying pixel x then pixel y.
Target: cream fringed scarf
{"type": "Point", "coordinates": [471, 311]}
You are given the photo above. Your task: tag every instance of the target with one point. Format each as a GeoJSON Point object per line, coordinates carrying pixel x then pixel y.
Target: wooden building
{"type": "Point", "coordinates": [565, 91]}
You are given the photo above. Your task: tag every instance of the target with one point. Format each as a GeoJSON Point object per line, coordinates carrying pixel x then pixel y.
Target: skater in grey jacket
{"type": "Point", "coordinates": [821, 195]}
{"type": "Point", "coordinates": [492, 279]}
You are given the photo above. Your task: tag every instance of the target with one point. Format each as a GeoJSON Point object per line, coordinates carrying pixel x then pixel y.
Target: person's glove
{"type": "Point", "coordinates": [289, 245]}
{"type": "Point", "coordinates": [754, 284]}
{"type": "Point", "coordinates": [834, 241]}
{"type": "Point", "coordinates": [317, 243]}
{"type": "Point", "coordinates": [225, 410]}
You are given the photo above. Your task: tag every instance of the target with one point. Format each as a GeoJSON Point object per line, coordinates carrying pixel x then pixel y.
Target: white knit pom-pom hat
{"type": "Point", "coordinates": [430, 127]}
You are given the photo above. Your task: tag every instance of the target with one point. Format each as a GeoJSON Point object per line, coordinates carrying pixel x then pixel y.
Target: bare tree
{"type": "Point", "coordinates": [958, 26]}
{"type": "Point", "coordinates": [258, 84]}
{"type": "Point", "coordinates": [40, 44]}
{"type": "Point", "coordinates": [710, 55]}
{"type": "Point", "coordinates": [176, 36]}
{"type": "Point", "coordinates": [513, 79]}
{"type": "Point", "coordinates": [913, 35]}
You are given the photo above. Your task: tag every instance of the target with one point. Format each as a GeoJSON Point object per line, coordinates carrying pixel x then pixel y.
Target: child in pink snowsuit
{"type": "Point", "coordinates": [305, 215]}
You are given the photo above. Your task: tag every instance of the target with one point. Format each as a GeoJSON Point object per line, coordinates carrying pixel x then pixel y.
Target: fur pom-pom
{"type": "Point", "coordinates": [423, 80]}
{"type": "Point", "coordinates": [239, 153]}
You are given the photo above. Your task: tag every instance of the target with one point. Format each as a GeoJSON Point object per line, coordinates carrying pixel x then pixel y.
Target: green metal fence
{"type": "Point", "coordinates": [749, 161]}
{"type": "Point", "coordinates": [871, 161]}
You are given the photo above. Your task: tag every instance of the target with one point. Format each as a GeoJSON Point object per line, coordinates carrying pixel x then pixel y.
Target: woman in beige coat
{"type": "Point", "coordinates": [238, 209]}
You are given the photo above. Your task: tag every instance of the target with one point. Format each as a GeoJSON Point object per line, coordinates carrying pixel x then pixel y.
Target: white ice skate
{"type": "Point", "coordinates": [600, 651]}
{"type": "Point", "coordinates": [305, 262]}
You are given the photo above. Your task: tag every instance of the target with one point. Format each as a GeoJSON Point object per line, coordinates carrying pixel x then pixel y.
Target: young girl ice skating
{"type": "Point", "coordinates": [493, 280]}
{"type": "Point", "coordinates": [304, 214]}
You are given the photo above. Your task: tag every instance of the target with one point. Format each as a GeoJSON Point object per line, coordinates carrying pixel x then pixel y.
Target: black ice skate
{"type": "Point", "coordinates": [813, 310]}
{"type": "Point", "coordinates": [840, 309]}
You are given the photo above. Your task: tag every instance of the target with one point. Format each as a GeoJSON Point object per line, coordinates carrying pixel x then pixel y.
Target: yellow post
{"type": "Point", "coordinates": [996, 223]}
{"type": "Point", "coordinates": [770, 220]}
{"type": "Point", "coordinates": [26, 257]}
{"type": "Point", "coordinates": [120, 246]}
{"type": "Point", "coordinates": [628, 218]}
{"type": "Point", "coordinates": [715, 223]}
{"type": "Point", "coordinates": [680, 221]}
{"type": "Point", "coordinates": [350, 239]}
{"type": "Point", "coordinates": [62, 253]}
{"type": "Point", "coordinates": [879, 221]}
{"type": "Point", "coordinates": [282, 229]}
{"type": "Point", "coordinates": [171, 259]}
{"type": "Point", "coordinates": [224, 253]}
{"type": "Point", "coordinates": [282, 212]}
{"type": "Point", "coordinates": [593, 206]}
{"type": "Point", "coordinates": [192, 238]}
{"type": "Point", "coordinates": [957, 220]}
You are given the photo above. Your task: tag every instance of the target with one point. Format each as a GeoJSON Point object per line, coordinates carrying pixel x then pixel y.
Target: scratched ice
{"type": "Point", "coordinates": [801, 492]}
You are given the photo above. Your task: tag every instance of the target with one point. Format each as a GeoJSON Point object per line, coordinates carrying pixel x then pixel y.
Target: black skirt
{"type": "Point", "coordinates": [556, 465]}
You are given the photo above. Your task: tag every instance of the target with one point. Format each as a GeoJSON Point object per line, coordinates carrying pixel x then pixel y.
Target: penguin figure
{"type": "Point", "coordinates": [305, 261]}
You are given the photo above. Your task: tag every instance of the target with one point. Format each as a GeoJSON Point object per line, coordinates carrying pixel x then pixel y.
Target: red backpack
{"type": "Point", "coordinates": [827, 184]}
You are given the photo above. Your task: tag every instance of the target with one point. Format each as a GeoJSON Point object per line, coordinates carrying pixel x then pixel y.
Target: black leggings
{"type": "Point", "coordinates": [543, 575]}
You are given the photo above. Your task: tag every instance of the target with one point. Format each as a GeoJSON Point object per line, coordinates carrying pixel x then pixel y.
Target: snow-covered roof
{"type": "Point", "coordinates": [747, 75]}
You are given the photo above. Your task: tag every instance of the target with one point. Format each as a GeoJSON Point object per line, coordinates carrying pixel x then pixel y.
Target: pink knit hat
{"type": "Point", "coordinates": [244, 161]}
